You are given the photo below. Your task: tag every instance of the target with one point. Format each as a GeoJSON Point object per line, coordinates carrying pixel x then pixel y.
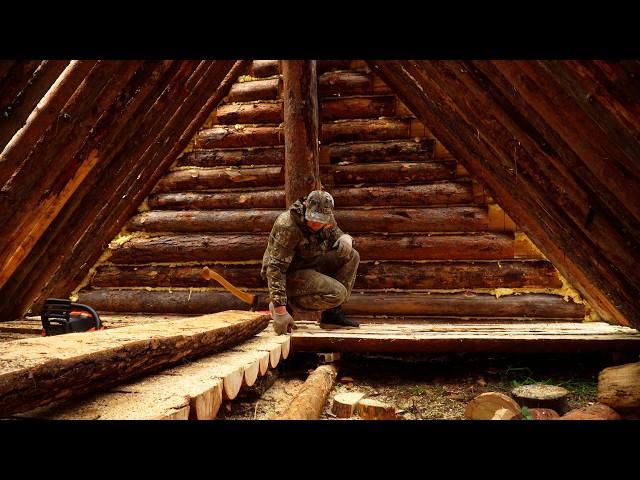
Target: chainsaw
{"type": "Point", "coordinates": [61, 316]}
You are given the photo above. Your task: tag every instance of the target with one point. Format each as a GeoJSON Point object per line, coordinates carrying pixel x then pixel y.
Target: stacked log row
{"type": "Point", "coordinates": [431, 240]}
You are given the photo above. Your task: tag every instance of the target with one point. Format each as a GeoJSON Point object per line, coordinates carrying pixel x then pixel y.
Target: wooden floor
{"type": "Point", "coordinates": [439, 337]}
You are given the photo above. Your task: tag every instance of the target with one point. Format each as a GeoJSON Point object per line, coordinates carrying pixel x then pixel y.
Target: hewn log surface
{"type": "Point", "coordinates": [255, 90]}
{"type": "Point", "coordinates": [365, 130]}
{"type": "Point", "coordinates": [445, 193]}
{"type": "Point", "coordinates": [393, 150]}
{"type": "Point", "coordinates": [197, 386]}
{"type": "Point", "coordinates": [581, 337]}
{"type": "Point", "coordinates": [192, 247]}
{"type": "Point", "coordinates": [232, 157]}
{"type": "Point", "coordinates": [225, 136]}
{"type": "Point", "coordinates": [301, 128]}
{"type": "Point", "coordinates": [445, 219]}
{"type": "Point", "coordinates": [310, 400]}
{"type": "Point", "coordinates": [372, 106]}
{"type": "Point", "coordinates": [619, 387]}
{"type": "Point", "coordinates": [35, 372]}
{"type": "Point", "coordinates": [229, 177]}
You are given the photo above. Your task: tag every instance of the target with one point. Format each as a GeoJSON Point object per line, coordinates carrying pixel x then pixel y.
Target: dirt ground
{"type": "Point", "coordinates": [428, 387]}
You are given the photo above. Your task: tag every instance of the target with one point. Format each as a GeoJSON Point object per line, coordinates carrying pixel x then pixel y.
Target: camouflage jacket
{"type": "Point", "coordinates": [292, 242]}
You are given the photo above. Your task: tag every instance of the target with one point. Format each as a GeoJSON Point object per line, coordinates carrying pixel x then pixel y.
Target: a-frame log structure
{"type": "Point", "coordinates": [557, 144]}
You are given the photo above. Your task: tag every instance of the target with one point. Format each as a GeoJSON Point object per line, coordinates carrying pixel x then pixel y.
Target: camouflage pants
{"type": "Point", "coordinates": [323, 282]}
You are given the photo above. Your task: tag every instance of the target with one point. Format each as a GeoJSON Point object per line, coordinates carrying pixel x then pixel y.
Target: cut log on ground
{"type": "Point", "coordinates": [310, 400]}
{"type": "Point", "coordinates": [345, 404]}
{"type": "Point", "coordinates": [597, 411]}
{"type": "Point", "coordinates": [38, 371]}
{"type": "Point", "coordinates": [486, 405]}
{"type": "Point", "coordinates": [504, 414]}
{"type": "Point", "coordinates": [540, 395]}
{"type": "Point", "coordinates": [537, 414]}
{"type": "Point", "coordinates": [370, 409]}
{"type": "Point", "coordinates": [619, 387]}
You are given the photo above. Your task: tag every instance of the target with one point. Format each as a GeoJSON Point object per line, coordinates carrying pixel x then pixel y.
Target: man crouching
{"type": "Point", "coordinates": [310, 264]}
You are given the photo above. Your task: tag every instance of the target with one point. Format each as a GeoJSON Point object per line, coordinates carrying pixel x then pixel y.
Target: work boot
{"type": "Point", "coordinates": [335, 318]}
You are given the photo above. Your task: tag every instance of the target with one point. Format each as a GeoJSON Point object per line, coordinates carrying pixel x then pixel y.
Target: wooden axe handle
{"type": "Point", "coordinates": [209, 274]}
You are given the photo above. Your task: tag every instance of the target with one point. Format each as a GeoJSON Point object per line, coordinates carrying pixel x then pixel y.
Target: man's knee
{"type": "Point", "coordinates": [355, 256]}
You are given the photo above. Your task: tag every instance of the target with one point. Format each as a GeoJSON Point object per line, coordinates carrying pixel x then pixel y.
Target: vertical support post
{"type": "Point", "coordinates": [301, 119]}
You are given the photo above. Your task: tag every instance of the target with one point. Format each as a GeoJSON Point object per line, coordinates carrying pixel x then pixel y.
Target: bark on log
{"type": "Point", "coordinates": [225, 136]}
{"type": "Point", "coordinates": [255, 90]}
{"type": "Point", "coordinates": [301, 154]}
{"type": "Point", "coordinates": [392, 275]}
{"type": "Point", "coordinates": [264, 68]}
{"type": "Point", "coordinates": [211, 248]}
{"type": "Point", "coordinates": [597, 411]}
{"type": "Point", "coordinates": [365, 130]}
{"type": "Point", "coordinates": [485, 406]}
{"type": "Point", "coordinates": [329, 65]}
{"type": "Point", "coordinates": [542, 396]}
{"type": "Point", "coordinates": [396, 173]}
{"type": "Point", "coordinates": [222, 200]}
{"type": "Point", "coordinates": [252, 113]}
{"type": "Point", "coordinates": [30, 378]}
{"type": "Point", "coordinates": [241, 221]}
{"type": "Point", "coordinates": [538, 414]}
{"type": "Point", "coordinates": [375, 195]}
{"type": "Point", "coordinates": [400, 150]}
{"type": "Point", "coordinates": [310, 400]}
{"type": "Point", "coordinates": [373, 106]}
{"type": "Point", "coordinates": [230, 177]}
{"type": "Point", "coordinates": [619, 387]}
{"type": "Point", "coordinates": [233, 157]}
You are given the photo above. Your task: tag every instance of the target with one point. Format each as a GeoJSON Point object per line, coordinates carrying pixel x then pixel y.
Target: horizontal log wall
{"type": "Point", "coordinates": [419, 221]}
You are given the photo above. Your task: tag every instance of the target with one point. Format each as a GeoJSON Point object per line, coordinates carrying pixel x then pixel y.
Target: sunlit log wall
{"type": "Point", "coordinates": [433, 243]}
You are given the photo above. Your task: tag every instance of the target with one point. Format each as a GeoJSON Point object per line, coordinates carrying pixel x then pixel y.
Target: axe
{"type": "Point", "coordinates": [249, 298]}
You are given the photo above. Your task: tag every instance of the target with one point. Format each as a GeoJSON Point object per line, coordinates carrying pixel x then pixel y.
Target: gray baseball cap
{"type": "Point", "coordinates": [319, 206]}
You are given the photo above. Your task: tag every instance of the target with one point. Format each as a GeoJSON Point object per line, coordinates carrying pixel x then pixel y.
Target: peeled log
{"type": "Point", "coordinates": [357, 107]}
{"type": "Point", "coordinates": [344, 404]}
{"type": "Point", "coordinates": [207, 201]}
{"type": "Point", "coordinates": [370, 409]}
{"type": "Point", "coordinates": [232, 157]}
{"type": "Point", "coordinates": [374, 195]}
{"type": "Point", "coordinates": [347, 83]}
{"type": "Point", "coordinates": [310, 400]}
{"type": "Point", "coordinates": [597, 411]}
{"type": "Point", "coordinates": [619, 387]}
{"type": "Point", "coordinates": [255, 90]}
{"type": "Point", "coordinates": [225, 136]}
{"type": "Point", "coordinates": [485, 406]}
{"type": "Point", "coordinates": [400, 150]}
{"type": "Point", "coordinates": [37, 371]}
{"type": "Point", "coordinates": [540, 395]}
{"type": "Point", "coordinates": [365, 130]}
{"type": "Point", "coordinates": [393, 172]}
{"type": "Point", "coordinates": [264, 68]}
{"type": "Point", "coordinates": [230, 177]}
{"type": "Point", "coordinates": [252, 113]}
{"type": "Point", "coordinates": [229, 247]}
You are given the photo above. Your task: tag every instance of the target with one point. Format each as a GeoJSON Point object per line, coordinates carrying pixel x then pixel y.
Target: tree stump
{"type": "Point", "coordinates": [542, 396]}
{"type": "Point", "coordinates": [485, 406]}
{"type": "Point", "coordinates": [369, 409]}
{"type": "Point", "coordinates": [619, 387]}
{"type": "Point", "coordinates": [597, 411]}
{"type": "Point", "coordinates": [344, 404]}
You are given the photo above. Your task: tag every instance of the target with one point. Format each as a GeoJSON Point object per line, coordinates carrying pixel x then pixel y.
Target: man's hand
{"type": "Point", "coordinates": [345, 245]}
{"type": "Point", "coordinates": [282, 322]}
